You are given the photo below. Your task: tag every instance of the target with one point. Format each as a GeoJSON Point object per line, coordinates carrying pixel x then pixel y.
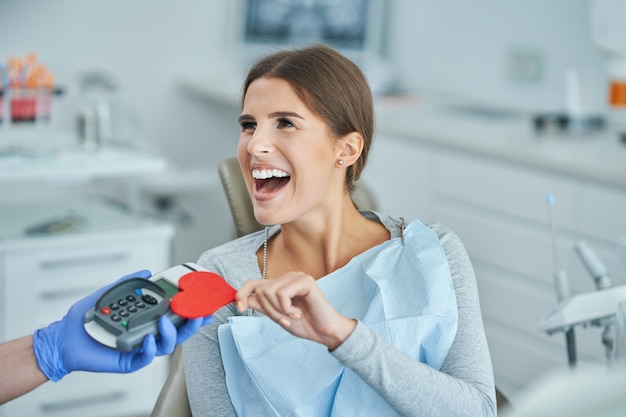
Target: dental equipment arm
{"type": "Point", "coordinates": [603, 281]}
{"type": "Point", "coordinates": [561, 284]}
{"type": "Point", "coordinates": [583, 309]}
{"type": "Point", "coordinates": [596, 308]}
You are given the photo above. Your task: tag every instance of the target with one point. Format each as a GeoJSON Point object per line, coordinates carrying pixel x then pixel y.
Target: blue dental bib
{"type": "Point", "coordinates": [401, 289]}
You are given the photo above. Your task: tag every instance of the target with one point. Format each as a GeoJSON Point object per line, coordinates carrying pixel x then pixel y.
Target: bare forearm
{"type": "Point", "coordinates": [19, 371]}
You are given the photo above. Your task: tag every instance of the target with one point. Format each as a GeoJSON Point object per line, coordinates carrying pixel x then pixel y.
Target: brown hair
{"type": "Point", "coordinates": [331, 86]}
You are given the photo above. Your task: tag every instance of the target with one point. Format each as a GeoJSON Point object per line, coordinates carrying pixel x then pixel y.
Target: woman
{"type": "Point", "coordinates": [339, 312]}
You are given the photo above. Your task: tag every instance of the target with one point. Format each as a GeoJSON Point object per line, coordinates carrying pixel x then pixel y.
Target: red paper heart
{"type": "Point", "coordinates": [201, 294]}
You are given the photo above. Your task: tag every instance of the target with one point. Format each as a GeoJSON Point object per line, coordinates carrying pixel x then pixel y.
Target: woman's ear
{"type": "Point", "coordinates": [350, 148]}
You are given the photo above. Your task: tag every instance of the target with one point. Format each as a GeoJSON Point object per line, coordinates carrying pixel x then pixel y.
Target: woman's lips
{"type": "Point", "coordinates": [268, 182]}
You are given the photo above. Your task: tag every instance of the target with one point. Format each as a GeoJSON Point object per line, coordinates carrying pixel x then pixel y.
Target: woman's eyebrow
{"type": "Point", "coordinates": [284, 114]}
{"type": "Point", "coordinates": [245, 117]}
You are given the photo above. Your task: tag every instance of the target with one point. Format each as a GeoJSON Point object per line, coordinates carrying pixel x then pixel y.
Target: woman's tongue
{"type": "Point", "coordinates": [271, 184]}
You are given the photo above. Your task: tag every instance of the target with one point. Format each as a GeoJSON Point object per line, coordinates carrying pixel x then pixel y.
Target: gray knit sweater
{"type": "Point", "coordinates": [464, 386]}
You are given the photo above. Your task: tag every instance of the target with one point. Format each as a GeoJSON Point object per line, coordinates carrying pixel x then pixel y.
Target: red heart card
{"type": "Point", "coordinates": [201, 294]}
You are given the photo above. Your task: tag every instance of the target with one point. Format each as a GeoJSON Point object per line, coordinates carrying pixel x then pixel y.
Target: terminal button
{"type": "Point", "coordinates": [149, 299]}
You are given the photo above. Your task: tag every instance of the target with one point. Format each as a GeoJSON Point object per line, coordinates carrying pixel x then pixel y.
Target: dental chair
{"type": "Point", "coordinates": [173, 400]}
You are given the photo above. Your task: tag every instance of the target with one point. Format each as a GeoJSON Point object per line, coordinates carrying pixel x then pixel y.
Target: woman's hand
{"type": "Point", "coordinates": [296, 302]}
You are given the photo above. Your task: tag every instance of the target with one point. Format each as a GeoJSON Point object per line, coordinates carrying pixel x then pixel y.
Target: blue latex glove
{"type": "Point", "coordinates": [64, 346]}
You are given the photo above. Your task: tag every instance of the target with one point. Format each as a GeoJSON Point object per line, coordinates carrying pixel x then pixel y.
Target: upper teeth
{"type": "Point", "coordinates": [263, 174]}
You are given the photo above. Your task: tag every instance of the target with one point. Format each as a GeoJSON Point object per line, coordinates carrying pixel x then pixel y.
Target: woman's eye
{"type": "Point", "coordinates": [247, 126]}
{"type": "Point", "coordinates": [283, 123]}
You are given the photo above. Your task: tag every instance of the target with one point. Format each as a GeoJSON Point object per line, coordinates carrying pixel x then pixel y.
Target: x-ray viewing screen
{"type": "Point", "coordinates": [340, 23]}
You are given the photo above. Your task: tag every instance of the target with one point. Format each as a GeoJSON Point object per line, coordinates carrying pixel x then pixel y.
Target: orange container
{"type": "Point", "coordinates": [617, 94]}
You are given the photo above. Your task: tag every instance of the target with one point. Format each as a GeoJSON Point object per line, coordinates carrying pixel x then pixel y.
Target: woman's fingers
{"type": "Point", "coordinates": [296, 302]}
{"type": "Point", "coordinates": [254, 295]}
{"type": "Point", "coordinates": [275, 298]}
{"type": "Point", "coordinates": [243, 295]}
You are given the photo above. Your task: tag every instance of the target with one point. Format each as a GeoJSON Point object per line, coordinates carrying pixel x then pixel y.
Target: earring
{"type": "Point", "coordinates": [340, 162]}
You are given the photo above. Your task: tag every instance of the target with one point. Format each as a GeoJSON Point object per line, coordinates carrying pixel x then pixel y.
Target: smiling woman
{"type": "Point", "coordinates": [333, 93]}
{"type": "Point", "coordinates": [338, 311]}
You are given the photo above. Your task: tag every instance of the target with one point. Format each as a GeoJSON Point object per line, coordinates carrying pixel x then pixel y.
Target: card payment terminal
{"type": "Point", "coordinates": [130, 310]}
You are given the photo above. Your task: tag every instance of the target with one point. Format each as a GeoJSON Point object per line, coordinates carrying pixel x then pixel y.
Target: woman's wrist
{"type": "Point", "coordinates": [341, 333]}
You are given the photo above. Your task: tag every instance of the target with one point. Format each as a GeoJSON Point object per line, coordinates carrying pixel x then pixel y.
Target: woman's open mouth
{"type": "Point", "coordinates": [267, 181]}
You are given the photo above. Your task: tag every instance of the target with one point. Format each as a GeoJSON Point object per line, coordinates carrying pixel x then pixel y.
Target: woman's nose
{"type": "Point", "coordinates": [260, 143]}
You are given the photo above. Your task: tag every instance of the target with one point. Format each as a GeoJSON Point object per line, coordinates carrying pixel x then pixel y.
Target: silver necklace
{"type": "Point", "coordinates": [264, 270]}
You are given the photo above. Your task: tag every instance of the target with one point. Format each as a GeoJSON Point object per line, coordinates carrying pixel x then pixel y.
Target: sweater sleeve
{"type": "Point", "coordinates": [204, 371]}
{"type": "Point", "coordinates": [463, 386]}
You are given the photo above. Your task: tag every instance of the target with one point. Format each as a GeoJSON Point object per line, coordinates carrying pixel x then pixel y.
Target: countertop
{"type": "Point", "coordinates": [90, 218]}
{"type": "Point", "coordinates": [597, 156]}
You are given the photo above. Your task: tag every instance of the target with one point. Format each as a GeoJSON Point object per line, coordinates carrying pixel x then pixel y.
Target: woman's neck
{"type": "Point", "coordinates": [321, 246]}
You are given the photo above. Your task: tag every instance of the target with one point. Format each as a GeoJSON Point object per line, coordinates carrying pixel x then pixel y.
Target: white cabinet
{"type": "Point", "coordinates": [498, 208]}
{"type": "Point", "coordinates": [500, 212]}
{"type": "Point", "coordinates": [41, 276]}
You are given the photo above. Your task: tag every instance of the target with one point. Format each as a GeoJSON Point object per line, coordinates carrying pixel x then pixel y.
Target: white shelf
{"type": "Point", "coordinates": [56, 156]}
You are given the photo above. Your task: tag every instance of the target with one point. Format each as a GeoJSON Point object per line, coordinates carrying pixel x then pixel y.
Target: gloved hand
{"type": "Point", "coordinates": [64, 346]}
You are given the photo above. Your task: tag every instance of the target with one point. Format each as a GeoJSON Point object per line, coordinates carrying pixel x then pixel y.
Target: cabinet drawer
{"type": "Point", "coordinates": [510, 190]}
{"type": "Point", "coordinates": [94, 395]}
{"type": "Point", "coordinates": [42, 284]}
{"type": "Point", "coordinates": [515, 248]}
